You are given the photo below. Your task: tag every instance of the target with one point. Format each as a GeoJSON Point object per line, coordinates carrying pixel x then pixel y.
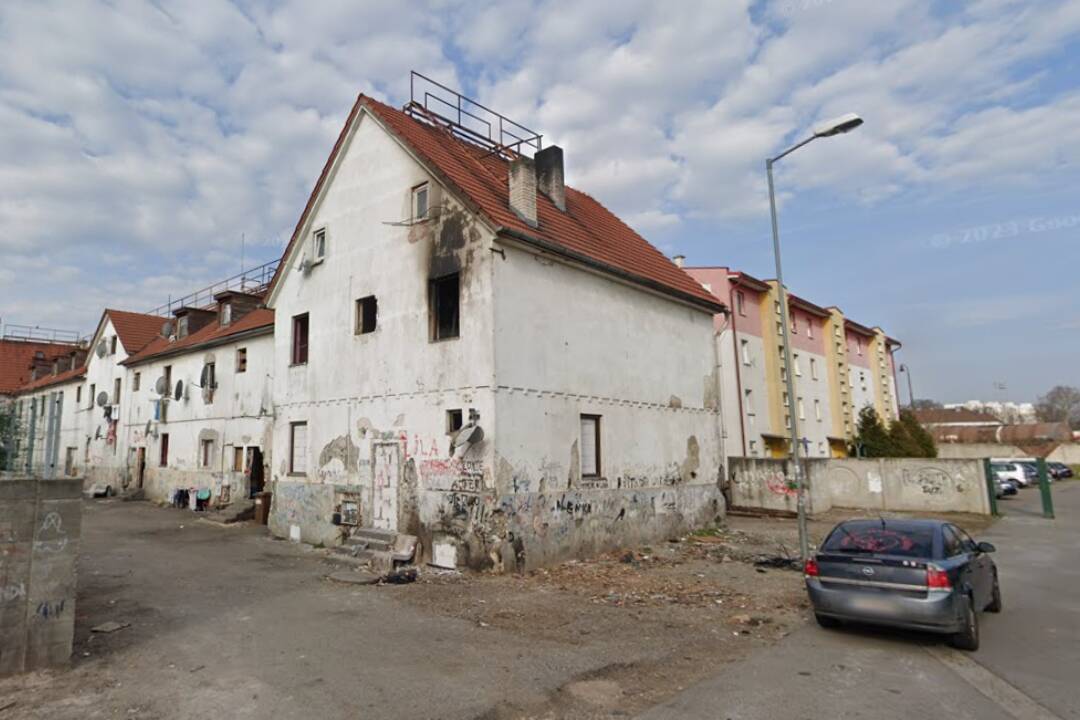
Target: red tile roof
{"type": "Point", "coordinates": [586, 232]}
{"type": "Point", "coordinates": [16, 358]}
{"type": "Point", "coordinates": [135, 330]}
{"type": "Point", "coordinates": [210, 334]}
{"type": "Point", "coordinates": [50, 379]}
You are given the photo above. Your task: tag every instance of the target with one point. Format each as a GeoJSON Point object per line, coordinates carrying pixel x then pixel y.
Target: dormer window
{"type": "Point", "coordinates": [226, 314]}
{"type": "Point", "coordinates": [318, 244]}
{"type": "Point", "coordinates": [420, 202]}
{"type": "Point", "coordinates": [182, 327]}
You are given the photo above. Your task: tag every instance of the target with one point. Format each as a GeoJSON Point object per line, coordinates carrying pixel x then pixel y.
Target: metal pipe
{"type": "Point", "coordinates": [793, 427]}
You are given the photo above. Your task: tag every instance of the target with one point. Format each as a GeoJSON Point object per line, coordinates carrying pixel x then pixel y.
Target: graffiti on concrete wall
{"type": "Point", "coordinates": [51, 536]}
{"type": "Point", "coordinates": [931, 481]}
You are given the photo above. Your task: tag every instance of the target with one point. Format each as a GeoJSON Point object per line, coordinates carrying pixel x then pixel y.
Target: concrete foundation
{"type": "Point", "coordinates": [40, 524]}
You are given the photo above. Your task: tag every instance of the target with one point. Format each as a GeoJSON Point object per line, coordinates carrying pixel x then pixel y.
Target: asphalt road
{"type": "Point", "coordinates": [1028, 665]}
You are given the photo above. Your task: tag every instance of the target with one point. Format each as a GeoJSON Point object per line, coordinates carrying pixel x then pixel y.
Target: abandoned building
{"type": "Point", "coordinates": [471, 352]}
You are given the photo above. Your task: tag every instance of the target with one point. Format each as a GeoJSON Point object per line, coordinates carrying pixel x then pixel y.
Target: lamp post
{"type": "Point", "coordinates": [911, 393]}
{"type": "Point", "coordinates": [842, 124]}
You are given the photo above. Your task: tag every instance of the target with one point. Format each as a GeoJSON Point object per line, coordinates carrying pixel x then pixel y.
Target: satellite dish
{"type": "Point", "coordinates": [468, 435]}
{"type": "Point", "coordinates": [161, 386]}
{"type": "Point", "coordinates": [179, 393]}
{"type": "Point", "coordinates": [166, 328]}
{"type": "Point", "coordinates": [102, 399]}
{"type": "Point", "coordinates": [100, 349]}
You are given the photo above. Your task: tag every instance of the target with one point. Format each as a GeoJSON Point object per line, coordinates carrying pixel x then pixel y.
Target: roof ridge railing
{"type": "Point", "coordinates": [33, 333]}
{"type": "Point", "coordinates": [254, 280]}
{"type": "Point", "coordinates": [468, 119]}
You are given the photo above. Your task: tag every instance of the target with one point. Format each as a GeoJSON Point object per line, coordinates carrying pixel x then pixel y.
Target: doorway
{"type": "Point", "coordinates": [140, 467]}
{"type": "Point", "coordinates": [387, 470]}
{"type": "Point", "coordinates": [255, 470]}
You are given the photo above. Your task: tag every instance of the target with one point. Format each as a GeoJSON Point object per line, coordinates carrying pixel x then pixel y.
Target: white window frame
{"type": "Point", "coordinates": [423, 189]}
{"type": "Point", "coordinates": [295, 467]}
{"type": "Point", "coordinates": [318, 254]}
{"type": "Point", "coordinates": [744, 345]}
{"type": "Point", "coordinates": [817, 409]}
{"type": "Point", "coordinates": [813, 368]}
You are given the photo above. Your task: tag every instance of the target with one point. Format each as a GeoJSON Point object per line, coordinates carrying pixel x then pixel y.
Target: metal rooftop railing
{"type": "Point", "coordinates": [469, 120]}
{"type": "Point", "coordinates": [33, 333]}
{"type": "Point", "coordinates": [253, 280]}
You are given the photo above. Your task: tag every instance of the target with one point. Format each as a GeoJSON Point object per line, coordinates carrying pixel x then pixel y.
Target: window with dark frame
{"type": "Point", "coordinates": [590, 445]}
{"type": "Point", "coordinates": [136, 382]}
{"type": "Point", "coordinates": [445, 307]}
{"type": "Point", "coordinates": [112, 345]}
{"type": "Point", "coordinates": [78, 394]}
{"type": "Point", "coordinates": [116, 392]}
{"type": "Point", "coordinates": [206, 453]}
{"type": "Point", "coordinates": [241, 360]}
{"type": "Point", "coordinates": [297, 448]}
{"type": "Point", "coordinates": [367, 314]}
{"type": "Point", "coordinates": [454, 420]}
{"type": "Point", "coordinates": [93, 393]}
{"type": "Point", "coordinates": [300, 339]}
{"type": "Point", "coordinates": [164, 460]}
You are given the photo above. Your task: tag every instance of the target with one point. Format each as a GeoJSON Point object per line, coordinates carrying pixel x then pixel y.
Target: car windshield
{"type": "Point", "coordinates": [883, 539]}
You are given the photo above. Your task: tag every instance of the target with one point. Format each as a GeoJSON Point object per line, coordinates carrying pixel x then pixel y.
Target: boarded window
{"type": "Point", "coordinates": [445, 305]}
{"type": "Point", "coordinates": [298, 447]}
{"type": "Point", "coordinates": [241, 360]}
{"type": "Point", "coordinates": [238, 459]}
{"type": "Point", "coordinates": [590, 445]}
{"type": "Point", "coordinates": [367, 310]}
{"type": "Point", "coordinates": [300, 339]}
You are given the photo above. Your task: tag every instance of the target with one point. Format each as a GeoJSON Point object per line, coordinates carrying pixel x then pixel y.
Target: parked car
{"type": "Point", "coordinates": [1059, 470]}
{"type": "Point", "coordinates": [1005, 487]}
{"type": "Point", "coordinates": [916, 574]}
{"type": "Point", "coordinates": [1031, 472]}
{"type": "Point", "coordinates": [1010, 471]}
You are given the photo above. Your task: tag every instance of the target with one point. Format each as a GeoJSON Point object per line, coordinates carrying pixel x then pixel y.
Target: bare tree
{"type": "Point", "coordinates": [1061, 404]}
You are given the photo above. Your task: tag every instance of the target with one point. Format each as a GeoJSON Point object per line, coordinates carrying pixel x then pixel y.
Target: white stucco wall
{"type": "Point", "coordinates": [239, 415]}
{"type": "Point", "coordinates": [861, 384]}
{"type": "Point", "coordinates": [816, 430]}
{"type": "Point", "coordinates": [59, 398]}
{"type": "Point", "coordinates": [107, 458]}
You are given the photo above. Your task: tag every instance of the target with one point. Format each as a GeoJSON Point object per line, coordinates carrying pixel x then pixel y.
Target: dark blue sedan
{"type": "Point", "coordinates": [916, 574]}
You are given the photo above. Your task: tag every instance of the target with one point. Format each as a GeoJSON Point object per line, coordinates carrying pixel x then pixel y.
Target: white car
{"type": "Point", "coordinates": [1010, 471]}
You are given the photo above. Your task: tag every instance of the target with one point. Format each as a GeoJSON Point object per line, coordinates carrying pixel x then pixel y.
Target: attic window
{"type": "Point", "coordinates": [318, 243]}
{"type": "Point", "coordinates": [420, 201]}
{"type": "Point", "coordinates": [444, 301]}
{"type": "Point", "coordinates": [226, 313]}
{"type": "Point", "coordinates": [182, 327]}
{"type": "Point", "coordinates": [112, 345]}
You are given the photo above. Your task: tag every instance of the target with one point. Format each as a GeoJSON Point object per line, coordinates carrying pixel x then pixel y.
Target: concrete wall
{"type": "Point", "coordinates": [40, 525]}
{"type": "Point", "coordinates": [885, 484]}
{"type": "Point", "coordinates": [1068, 453]}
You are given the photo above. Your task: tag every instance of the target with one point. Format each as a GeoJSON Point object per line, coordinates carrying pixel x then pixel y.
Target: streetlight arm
{"type": "Point", "coordinates": [791, 149]}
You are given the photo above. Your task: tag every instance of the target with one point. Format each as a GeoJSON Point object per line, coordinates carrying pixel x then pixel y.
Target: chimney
{"type": "Point", "coordinates": [680, 260]}
{"type": "Point", "coordinates": [549, 175]}
{"type": "Point", "coordinates": [522, 179]}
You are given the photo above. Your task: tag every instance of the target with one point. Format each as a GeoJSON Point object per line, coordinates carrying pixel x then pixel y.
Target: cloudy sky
{"type": "Point", "coordinates": [139, 141]}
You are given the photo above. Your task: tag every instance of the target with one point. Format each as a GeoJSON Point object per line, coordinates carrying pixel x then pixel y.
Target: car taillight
{"type": "Point", "coordinates": [937, 579]}
{"type": "Point", "coordinates": [811, 569]}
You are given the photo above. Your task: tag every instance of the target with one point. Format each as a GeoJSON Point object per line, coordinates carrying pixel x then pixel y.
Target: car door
{"type": "Point", "coordinates": [982, 568]}
{"type": "Point", "coordinates": [962, 561]}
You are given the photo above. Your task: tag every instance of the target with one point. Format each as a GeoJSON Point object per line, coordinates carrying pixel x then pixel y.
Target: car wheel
{"type": "Point", "coordinates": [826, 622]}
{"type": "Point", "coordinates": [968, 637]}
{"type": "Point", "coordinates": [995, 599]}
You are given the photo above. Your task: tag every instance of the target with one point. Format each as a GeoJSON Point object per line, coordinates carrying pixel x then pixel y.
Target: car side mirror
{"type": "Point", "coordinates": [986, 547]}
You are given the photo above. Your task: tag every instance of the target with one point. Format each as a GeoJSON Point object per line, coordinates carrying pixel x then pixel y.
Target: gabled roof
{"type": "Point", "coordinates": [16, 357]}
{"type": "Point", "coordinates": [257, 321]}
{"type": "Point", "coordinates": [587, 232]}
{"type": "Point", "coordinates": [939, 416]}
{"type": "Point", "coordinates": [57, 379]}
{"type": "Point", "coordinates": [134, 329]}
{"type": "Point", "coordinates": [748, 281]}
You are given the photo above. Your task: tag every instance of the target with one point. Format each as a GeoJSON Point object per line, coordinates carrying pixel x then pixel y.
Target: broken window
{"type": "Point", "coordinates": [453, 421]}
{"type": "Point", "coordinates": [420, 201]}
{"type": "Point", "coordinates": [445, 307]}
{"type": "Point", "coordinates": [319, 244]}
{"type": "Point", "coordinates": [590, 445]}
{"type": "Point", "coordinates": [297, 448]}
{"type": "Point", "coordinates": [206, 453]}
{"type": "Point", "coordinates": [164, 449]}
{"type": "Point", "coordinates": [300, 339]}
{"type": "Point", "coordinates": [241, 360]}
{"type": "Point", "coordinates": [367, 311]}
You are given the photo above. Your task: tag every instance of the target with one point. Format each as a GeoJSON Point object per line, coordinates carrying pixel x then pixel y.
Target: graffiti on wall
{"type": "Point", "coordinates": [51, 536]}
{"type": "Point", "coordinates": [931, 481]}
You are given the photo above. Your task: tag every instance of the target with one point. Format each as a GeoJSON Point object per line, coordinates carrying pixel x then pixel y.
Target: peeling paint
{"type": "Point", "coordinates": [689, 467]}
{"type": "Point", "coordinates": [711, 395]}
{"type": "Point", "coordinates": [341, 448]}
{"type": "Point", "coordinates": [675, 401]}
{"type": "Point", "coordinates": [574, 476]}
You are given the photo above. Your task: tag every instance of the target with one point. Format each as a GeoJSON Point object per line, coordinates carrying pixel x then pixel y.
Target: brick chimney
{"type": "Point", "coordinates": [522, 181]}
{"type": "Point", "coordinates": [549, 175]}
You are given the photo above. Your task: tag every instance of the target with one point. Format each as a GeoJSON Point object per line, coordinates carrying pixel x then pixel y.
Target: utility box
{"type": "Point", "coordinates": [40, 526]}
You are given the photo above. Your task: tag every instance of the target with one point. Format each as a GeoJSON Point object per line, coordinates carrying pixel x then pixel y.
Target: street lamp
{"type": "Point", "coordinates": [842, 124]}
{"type": "Point", "coordinates": [911, 393]}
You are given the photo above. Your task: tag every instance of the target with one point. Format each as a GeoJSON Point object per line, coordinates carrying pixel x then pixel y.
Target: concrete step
{"type": "Point", "coordinates": [364, 543]}
{"type": "Point", "coordinates": [370, 533]}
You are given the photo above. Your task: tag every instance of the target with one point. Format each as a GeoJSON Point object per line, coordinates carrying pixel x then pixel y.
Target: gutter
{"type": "Point", "coordinates": [554, 249]}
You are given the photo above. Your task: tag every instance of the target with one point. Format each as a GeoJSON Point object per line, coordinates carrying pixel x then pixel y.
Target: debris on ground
{"type": "Point", "coordinates": [400, 576]}
{"type": "Point", "coordinates": [110, 627]}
